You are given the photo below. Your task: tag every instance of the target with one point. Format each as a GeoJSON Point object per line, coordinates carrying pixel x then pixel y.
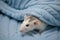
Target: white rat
{"type": "Point", "coordinates": [30, 23]}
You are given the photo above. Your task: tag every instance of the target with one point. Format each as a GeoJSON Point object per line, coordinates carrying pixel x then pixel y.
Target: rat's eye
{"type": "Point", "coordinates": [27, 25]}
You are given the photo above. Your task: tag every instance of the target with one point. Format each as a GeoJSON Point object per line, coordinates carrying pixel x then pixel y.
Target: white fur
{"type": "Point", "coordinates": [41, 25]}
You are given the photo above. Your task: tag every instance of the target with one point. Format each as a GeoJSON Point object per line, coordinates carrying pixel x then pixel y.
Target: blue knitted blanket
{"type": "Point", "coordinates": [46, 10]}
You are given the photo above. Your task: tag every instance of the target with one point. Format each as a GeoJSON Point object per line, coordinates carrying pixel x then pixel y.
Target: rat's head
{"type": "Point", "coordinates": [29, 24]}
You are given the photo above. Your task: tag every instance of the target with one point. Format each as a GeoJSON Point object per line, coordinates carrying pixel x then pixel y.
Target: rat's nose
{"type": "Point", "coordinates": [21, 30]}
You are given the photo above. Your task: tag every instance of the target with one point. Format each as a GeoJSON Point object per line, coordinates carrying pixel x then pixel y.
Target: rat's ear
{"type": "Point", "coordinates": [26, 17]}
{"type": "Point", "coordinates": [36, 23]}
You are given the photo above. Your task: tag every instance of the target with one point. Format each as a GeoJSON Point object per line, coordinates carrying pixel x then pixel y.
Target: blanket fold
{"type": "Point", "coordinates": [49, 12]}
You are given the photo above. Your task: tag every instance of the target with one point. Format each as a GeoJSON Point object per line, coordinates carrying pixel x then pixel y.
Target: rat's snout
{"type": "Point", "coordinates": [21, 30]}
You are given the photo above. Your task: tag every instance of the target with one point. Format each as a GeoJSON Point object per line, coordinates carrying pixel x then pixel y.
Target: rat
{"type": "Point", "coordinates": [30, 23]}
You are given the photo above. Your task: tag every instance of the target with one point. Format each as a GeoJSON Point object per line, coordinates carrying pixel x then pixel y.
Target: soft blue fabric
{"type": "Point", "coordinates": [46, 10]}
{"type": "Point", "coordinates": [9, 30]}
